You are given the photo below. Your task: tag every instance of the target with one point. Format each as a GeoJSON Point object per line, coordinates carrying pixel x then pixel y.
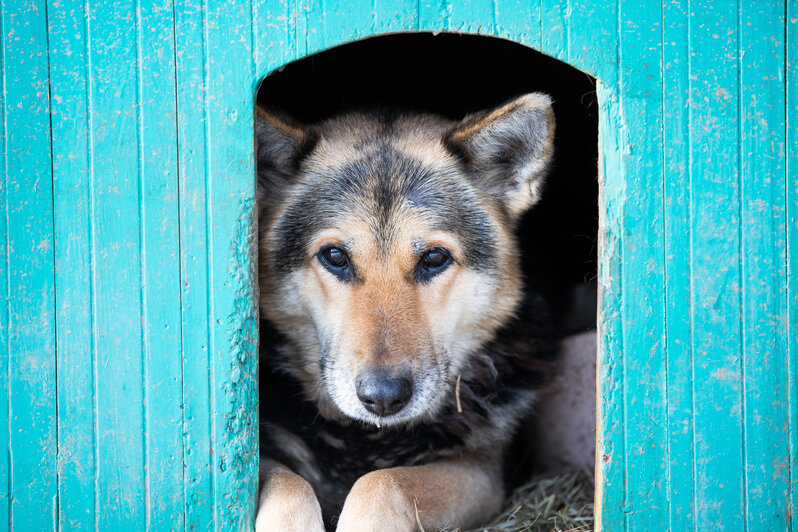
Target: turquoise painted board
{"type": "Point", "coordinates": [195, 328]}
{"type": "Point", "coordinates": [128, 311]}
{"type": "Point", "coordinates": [128, 325]}
{"type": "Point", "coordinates": [791, 190]}
{"type": "Point", "coordinates": [715, 296]}
{"type": "Point", "coordinates": [764, 264]}
{"type": "Point", "coordinates": [118, 281]}
{"type": "Point", "coordinates": [29, 380]}
{"type": "Point", "coordinates": [677, 216]}
{"type": "Point", "coordinates": [160, 250]}
{"type": "Point", "coordinates": [74, 277]}
{"type": "Point", "coordinates": [643, 318]}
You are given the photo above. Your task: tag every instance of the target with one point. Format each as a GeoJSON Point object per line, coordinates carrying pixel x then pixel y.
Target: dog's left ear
{"type": "Point", "coordinates": [509, 149]}
{"type": "Point", "coordinates": [281, 144]}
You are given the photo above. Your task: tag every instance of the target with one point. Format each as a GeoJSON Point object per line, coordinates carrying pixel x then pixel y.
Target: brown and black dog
{"type": "Point", "coordinates": [399, 351]}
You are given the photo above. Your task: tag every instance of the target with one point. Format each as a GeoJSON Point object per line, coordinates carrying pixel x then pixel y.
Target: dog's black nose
{"type": "Point", "coordinates": [382, 394]}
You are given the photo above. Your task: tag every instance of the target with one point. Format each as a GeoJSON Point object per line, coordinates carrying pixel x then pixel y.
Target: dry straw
{"type": "Point", "coordinates": [562, 503]}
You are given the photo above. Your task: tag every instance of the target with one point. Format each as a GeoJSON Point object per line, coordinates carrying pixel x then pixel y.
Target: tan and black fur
{"type": "Point", "coordinates": [391, 386]}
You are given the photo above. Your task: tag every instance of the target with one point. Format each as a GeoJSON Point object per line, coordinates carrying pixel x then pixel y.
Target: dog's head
{"type": "Point", "coordinates": [387, 253]}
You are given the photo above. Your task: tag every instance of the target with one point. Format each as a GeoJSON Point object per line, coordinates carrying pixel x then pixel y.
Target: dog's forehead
{"type": "Point", "coordinates": [384, 160]}
{"type": "Point", "coordinates": [417, 136]}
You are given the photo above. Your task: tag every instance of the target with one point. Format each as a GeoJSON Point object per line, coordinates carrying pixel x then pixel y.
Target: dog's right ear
{"type": "Point", "coordinates": [282, 143]}
{"type": "Point", "coordinates": [509, 149]}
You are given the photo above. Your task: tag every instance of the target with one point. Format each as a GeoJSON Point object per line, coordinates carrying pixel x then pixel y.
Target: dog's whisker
{"type": "Point", "coordinates": [457, 395]}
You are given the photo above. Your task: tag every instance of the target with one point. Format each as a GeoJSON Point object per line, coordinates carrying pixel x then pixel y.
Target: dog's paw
{"type": "Point", "coordinates": [288, 504]}
{"type": "Point", "coordinates": [377, 502]}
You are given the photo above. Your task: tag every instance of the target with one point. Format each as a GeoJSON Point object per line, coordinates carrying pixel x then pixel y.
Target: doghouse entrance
{"type": "Point", "coordinates": [453, 75]}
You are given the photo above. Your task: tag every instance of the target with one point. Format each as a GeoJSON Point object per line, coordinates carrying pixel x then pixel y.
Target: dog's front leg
{"type": "Point", "coordinates": [457, 493]}
{"type": "Point", "coordinates": [286, 502]}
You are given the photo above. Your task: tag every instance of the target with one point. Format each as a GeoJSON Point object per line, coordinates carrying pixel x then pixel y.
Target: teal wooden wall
{"type": "Point", "coordinates": [127, 333]}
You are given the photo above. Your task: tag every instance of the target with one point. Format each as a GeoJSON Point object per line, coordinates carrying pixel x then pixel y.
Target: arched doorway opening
{"type": "Point", "coordinates": [453, 75]}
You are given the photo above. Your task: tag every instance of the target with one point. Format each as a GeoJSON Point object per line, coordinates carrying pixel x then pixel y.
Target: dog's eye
{"type": "Point", "coordinates": [434, 258]}
{"type": "Point", "coordinates": [433, 262]}
{"type": "Point", "coordinates": [337, 262]}
{"type": "Point", "coordinates": [335, 257]}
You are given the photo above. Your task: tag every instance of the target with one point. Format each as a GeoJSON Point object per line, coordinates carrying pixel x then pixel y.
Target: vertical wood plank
{"type": "Point", "coordinates": [597, 45]}
{"type": "Point", "coordinates": [5, 310]}
{"type": "Point", "coordinates": [30, 348]}
{"type": "Point", "coordinates": [594, 50]}
{"type": "Point", "coordinates": [344, 21]}
{"type": "Point", "coordinates": [231, 203]}
{"type": "Point", "coordinates": [716, 270]}
{"type": "Point", "coordinates": [555, 26]}
{"type": "Point", "coordinates": [72, 182]}
{"type": "Point", "coordinates": [5, 277]}
{"type": "Point", "coordinates": [394, 15]}
{"type": "Point", "coordinates": [160, 240]}
{"type": "Point", "coordinates": [791, 170]}
{"type": "Point", "coordinates": [766, 459]}
{"type": "Point", "coordinates": [472, 16]}
{"type": "Point", "coordinates": [586, 34]}
{"type": "Point", "coordinates": [678, 237]}
{"type": "Point", "coordinates": [646, 504]}
{"type": "Point", "coordinates": [113, 56]}
{"type": "Point", "coordinates": [610, 391]}
{"type": "Point", "coordinates": [193, 140]}
{"type": "Point", "coordinates": [274, 36]}
{"type": "Point", "coordinates": [309, 22]}
{"type": "Point", "coordinates": [518, 20]}
{"type": "Point", "coordinates": [434, 15]}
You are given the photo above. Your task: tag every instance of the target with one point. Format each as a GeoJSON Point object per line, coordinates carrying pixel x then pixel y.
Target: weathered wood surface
{"type": "Point", "coordinates": [127, 333]}
{"type": "Point", "coordinates": [27, 363]}
{"type": "Point", "coordinates": [128, 317]}
{"type": "Point", "coordinates": [790, 320]}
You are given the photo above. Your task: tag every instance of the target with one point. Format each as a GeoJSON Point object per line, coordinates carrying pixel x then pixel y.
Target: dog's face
{"type": "Point", "coordinates": [387, 253]}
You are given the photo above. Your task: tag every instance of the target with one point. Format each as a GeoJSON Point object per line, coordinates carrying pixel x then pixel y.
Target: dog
{"type": "Point", "coordinates": [399, 350]}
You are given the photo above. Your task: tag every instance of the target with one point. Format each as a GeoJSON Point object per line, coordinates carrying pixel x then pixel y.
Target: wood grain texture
{"type": "Point", "coordinates": [118, 283]}
{"type": "Point", "coordinates": [716, 312]}
{"type": "Point", "coordinates": [594, 51]}
{"type": "Point", "coordinates": [230, 189]}
{"type": "Point", "coordinates": [518, 20]}
{"type": "Point", "coordinates": [678, 284]}
{"type": "Point", "coordinates": [555, 27]}
{"type": "Point", "coordinates": [611, 489]}
{"type": "Point", "coordinates": [791, 191]}
{"type": "Point", "coordinates": [29, 319]}
{"type": "Point", "coordinates": [763, 264]}
{"type": "Point", "coordinates": [193, 139]}
{"type": "Point", "coordinates": [5, 346]}
{"type": "Point", "coordinates": [132, 389]}
{"type": "Point", "coordinates": [75, 259]}
{"type": "Point", "coordinates": [643, 281]}
{"type": "Point", "coordinates": [160, 264]}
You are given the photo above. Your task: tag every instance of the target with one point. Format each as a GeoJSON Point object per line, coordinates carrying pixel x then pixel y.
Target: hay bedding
{"type": "Point", "coordinates": [560, 503]}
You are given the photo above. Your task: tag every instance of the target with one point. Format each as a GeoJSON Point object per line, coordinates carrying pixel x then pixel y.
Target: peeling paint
{"type": "Point", "coordinates": [241, 449]}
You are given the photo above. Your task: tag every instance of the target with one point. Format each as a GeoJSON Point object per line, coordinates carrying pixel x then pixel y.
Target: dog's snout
{"type": "Point", "coordinates": [383, 394]}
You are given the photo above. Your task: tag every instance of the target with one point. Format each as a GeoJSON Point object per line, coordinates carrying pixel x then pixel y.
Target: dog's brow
{"type": "Point", "coordinates": [419, 246]}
